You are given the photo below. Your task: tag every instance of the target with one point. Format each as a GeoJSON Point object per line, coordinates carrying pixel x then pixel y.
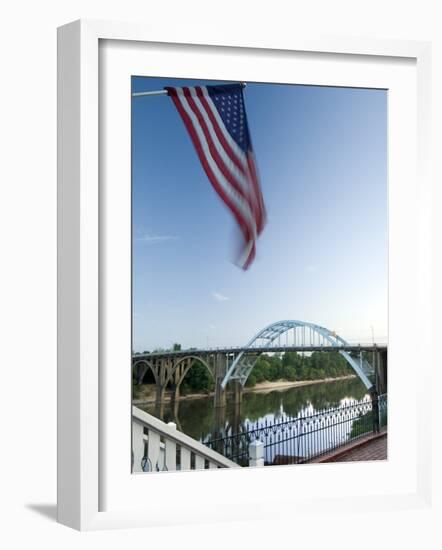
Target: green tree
{"type": "Point", "coordinates": [197, 379]}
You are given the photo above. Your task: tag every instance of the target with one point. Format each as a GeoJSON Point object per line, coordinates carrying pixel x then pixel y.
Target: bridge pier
{"type": "Point", "coordinates": [237, 393]}
{"type": "Point", "coordinates": [176, 383]}
{"type": "Point", "coordinates": [220, 372]}
{"type": "Point", "coordinates": [381, 371]}
{"type": "Point", "coordinates": [175, 399]}
{"type": "Point", "coordinates": [159, 401]}
{"type": "Point", "coordinates": [175, 406]}
{"type": "Point", "coordinates": [175, 393]}
{"type": "Point", "coordinates": [219, 428]}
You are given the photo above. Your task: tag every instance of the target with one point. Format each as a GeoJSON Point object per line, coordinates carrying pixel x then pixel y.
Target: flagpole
{"type": "Point", "coordinates": [154, 92]}
{"type": "Point", "coordinates": [163, 92]}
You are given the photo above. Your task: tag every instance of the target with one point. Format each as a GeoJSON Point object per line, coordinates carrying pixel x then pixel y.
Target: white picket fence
{"type": "Point", "coordinates": [155, 445]}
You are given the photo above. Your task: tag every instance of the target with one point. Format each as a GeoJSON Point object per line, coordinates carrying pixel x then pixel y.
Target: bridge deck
{"type": "Point", "coordinates": [262, 349]}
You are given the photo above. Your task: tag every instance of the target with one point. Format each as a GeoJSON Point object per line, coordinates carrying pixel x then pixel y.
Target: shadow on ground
{"type": "Point", "coordinates": [48, 511]}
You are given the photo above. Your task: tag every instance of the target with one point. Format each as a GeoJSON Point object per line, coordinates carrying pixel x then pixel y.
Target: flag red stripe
{"type": "Point", "coordinates": [251, 257]}
{"type": "Point", "coordinates": [259, 201]}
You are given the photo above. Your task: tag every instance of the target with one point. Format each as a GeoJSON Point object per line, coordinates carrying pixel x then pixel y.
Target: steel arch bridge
{"type": "Point", "coordinates": [298, 335]}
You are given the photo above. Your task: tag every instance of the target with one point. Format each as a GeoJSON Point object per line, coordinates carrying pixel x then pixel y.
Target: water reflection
{"type": "Point", "coordinates": [198, 418]}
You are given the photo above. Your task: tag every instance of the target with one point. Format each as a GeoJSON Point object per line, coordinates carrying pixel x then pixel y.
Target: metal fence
{"type": "Point", "coordinates": [296, 440]}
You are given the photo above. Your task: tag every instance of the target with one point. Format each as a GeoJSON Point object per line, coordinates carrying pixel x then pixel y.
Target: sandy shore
{"type": "Point", "coordinates": [283, 384]}
{"type": "Point", "coordinates": [149, 396]}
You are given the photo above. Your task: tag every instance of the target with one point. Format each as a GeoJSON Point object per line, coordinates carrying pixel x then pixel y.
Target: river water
{"type": "Point", "coordinates": [196, 417]}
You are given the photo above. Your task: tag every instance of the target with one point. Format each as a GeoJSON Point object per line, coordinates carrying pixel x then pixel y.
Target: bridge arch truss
{"type": "Point", "coordinates": [299, 334]}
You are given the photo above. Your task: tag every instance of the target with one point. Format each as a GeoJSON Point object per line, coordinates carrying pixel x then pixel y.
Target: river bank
{"type": "Point", "coordinates": [283, 384]}
{"type": "Point", "coordinates": [147, 392]}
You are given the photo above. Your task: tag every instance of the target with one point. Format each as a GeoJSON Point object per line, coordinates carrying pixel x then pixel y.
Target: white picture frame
{"type": "Point", "coordinates": [85, 499]}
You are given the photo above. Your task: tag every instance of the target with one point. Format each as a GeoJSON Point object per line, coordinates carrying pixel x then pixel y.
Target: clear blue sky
{"type": "Point", "coordinates": [322, 158]}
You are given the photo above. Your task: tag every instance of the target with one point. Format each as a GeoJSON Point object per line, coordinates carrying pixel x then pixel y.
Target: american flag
{"type": "Point", "coordinates": [216, 120]}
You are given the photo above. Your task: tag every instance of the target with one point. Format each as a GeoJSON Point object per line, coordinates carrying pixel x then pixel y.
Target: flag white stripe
{"type": "Point", "coordinates": [230, 191]}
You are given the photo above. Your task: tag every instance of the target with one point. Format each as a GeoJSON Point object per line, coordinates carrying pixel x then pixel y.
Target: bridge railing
{"type": "Point", "coordinates": [157, 447]}
{"type": "Point", "coordinates": [296, 440]}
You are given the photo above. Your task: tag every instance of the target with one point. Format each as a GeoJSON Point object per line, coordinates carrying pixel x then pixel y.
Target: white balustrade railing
{"type": "Point", "coordinates": [155, 445]}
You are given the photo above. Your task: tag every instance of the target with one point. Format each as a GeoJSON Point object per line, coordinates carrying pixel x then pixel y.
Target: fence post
{"type": "Point", "coordinates": [375, 410]}
{"type": "Point", "coordinates": [256, 453]}
{"type": "Point", "coordinates": [137, 446]}
{"type": "Point", "coordinates": [170, 450]}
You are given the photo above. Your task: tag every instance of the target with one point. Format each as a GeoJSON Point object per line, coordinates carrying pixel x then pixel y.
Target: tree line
{"type": "Point", "coordinates": [290, 366]}
{"type": "Point", "coordinates": [293, 366]}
